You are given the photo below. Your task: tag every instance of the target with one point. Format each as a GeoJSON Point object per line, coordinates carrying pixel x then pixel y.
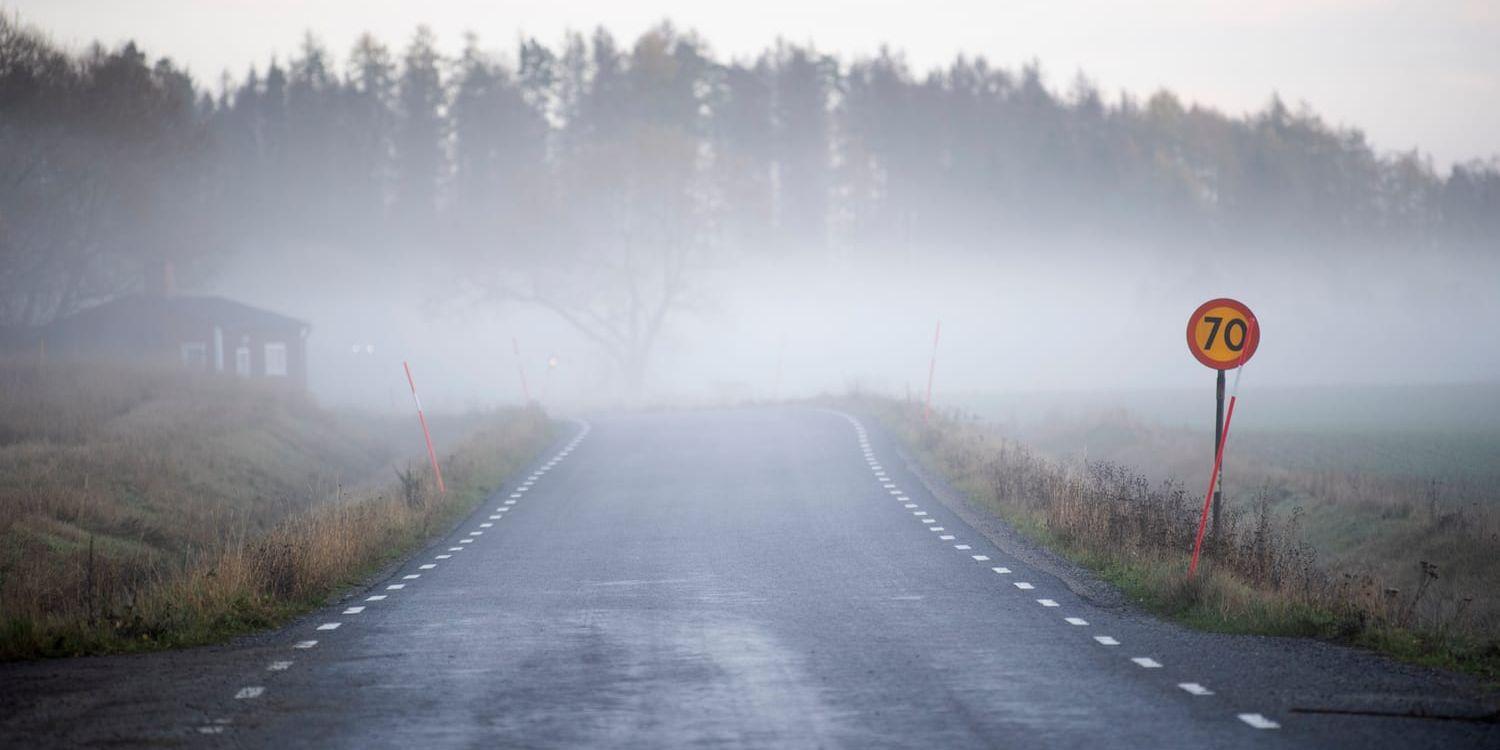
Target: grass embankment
{"type": "Point", "coordinates": [143, 510]}
{"type": "Point", "coordinates": [1259, 576]}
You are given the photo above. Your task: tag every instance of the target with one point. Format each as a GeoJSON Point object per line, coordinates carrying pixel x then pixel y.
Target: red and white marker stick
{"type": "Point", "coordinates": [431, 454]}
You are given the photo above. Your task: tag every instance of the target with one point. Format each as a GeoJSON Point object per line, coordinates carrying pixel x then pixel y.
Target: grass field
{"type": "Point", "coordinates": [143, 509]}
{"type": "Point", "coordinates": [1316, 542]}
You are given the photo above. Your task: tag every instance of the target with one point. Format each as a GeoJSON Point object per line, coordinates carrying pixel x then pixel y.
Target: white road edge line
{"type": "Point", "coordinates": [1258, 721]}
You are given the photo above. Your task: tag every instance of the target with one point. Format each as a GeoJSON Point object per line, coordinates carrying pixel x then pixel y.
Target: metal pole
{"type": "Point", "coordinates": [1218, 442]}
{"type": "Point", "coordinates": [931, 369]}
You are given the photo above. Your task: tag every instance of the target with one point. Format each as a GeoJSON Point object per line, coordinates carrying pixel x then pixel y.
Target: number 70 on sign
{"type": "Point", "coordinates": [1223, 333]}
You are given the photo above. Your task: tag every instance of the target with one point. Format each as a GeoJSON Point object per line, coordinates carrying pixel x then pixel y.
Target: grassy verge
{"type": "Point", "coordinates": [145, 510]}
{"type": "Point", "coordinates": [1259, 576]}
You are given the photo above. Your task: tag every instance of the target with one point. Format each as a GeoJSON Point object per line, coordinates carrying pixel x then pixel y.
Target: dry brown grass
{"type": "Point", "coordinates": [1259, 574]}
{"type": "Point", "coordinates": [140, 509]}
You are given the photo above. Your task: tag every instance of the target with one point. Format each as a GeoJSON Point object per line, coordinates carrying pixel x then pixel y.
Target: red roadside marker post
{"type": "Point", "coordinates": [1222, 334]}
{"type": "Point", "coordinates": [431, 454]}
{"type": "Point", "coordinates": [931, 369]}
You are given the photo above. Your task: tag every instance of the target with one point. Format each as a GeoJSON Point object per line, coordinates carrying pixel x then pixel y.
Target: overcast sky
{"type": "Point", "coordinates": [1410, 74]}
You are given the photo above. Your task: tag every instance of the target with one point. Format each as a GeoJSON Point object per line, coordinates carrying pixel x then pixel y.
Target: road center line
{"type": "Point", "coordinates": [1146, 662]}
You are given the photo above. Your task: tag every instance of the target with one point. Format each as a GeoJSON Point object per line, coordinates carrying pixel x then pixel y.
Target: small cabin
{"type": "Point", "coordinates": [201, 333]}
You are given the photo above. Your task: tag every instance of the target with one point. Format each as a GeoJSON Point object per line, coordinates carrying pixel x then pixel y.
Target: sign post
{"type": "Point", "coordinates": [1222, 334]}
{"type": "Point", "coordinates": [521, 368]}
{"type": "Point", "coordinates": [931, 370]}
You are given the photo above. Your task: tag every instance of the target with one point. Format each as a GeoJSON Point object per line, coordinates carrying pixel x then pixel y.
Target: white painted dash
{"type": "Point", "coordinates": [304, 644]}
{"type": "Point", "coordinates": [1194, 688]}
{"type": "Point", "coordinates": [411, 577]}
{"type": "Point", "coordinates": [962, 546]}
{"type": "Point", "coordinates": [354, 610]}
{"type": "Point", "coordinates": [1075, 621]}
{"type": "Point", "coordinates": [946, 537]}
{"type": "Point", "coordinates": [330, 626]}
{"type": "Point", "coordinates": [1024, 586]}
{"type": "Point", "coordinates": [1258, 721]}
{"type": "Point", "coordinates": [1046, 602]}
{"type": "Point", "coordinates": [375, 598]}
{"type": "Point", "coordinates": [395, 587]}
{"type": "Point", "coordinates": [279, 666]}
{"type": "Point", "coordinates": [1146, 662]}
{"type": "Point", "coordinates": [247, 693]}
{"type": "Point", "coordinates": [1105, 640]}
{"type": "Point", "coordinates": [428, 566]}
{"type": "Point", "coordinates": [980, 558]}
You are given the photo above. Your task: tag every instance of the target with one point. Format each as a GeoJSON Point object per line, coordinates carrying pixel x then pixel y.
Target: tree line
{"type": "Point", "coordinates": [590, 160]}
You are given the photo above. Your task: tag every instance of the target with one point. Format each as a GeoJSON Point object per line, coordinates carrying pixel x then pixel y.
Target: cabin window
{"type": "Point", "coordinates": [195, 355]}
{"type": "Point", "coordinates": [275, 359]}
{"type": "Point", "coordinates": [242, 361]}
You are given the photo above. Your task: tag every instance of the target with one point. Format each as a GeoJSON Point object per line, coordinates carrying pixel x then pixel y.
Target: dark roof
{"type": "Point", "coordinates": [215, 310]}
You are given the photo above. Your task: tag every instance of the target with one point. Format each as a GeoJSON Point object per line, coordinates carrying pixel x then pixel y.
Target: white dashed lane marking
{"type": "Point", "coordinates": [247, 693]}
{"type": "Point", "coordinates": [330, 626]}
{"type": "Point", "coordinates": [375, 598]}
{"type": "Point", "coordinates": [1258, 721]}
{"type": "Point", "coordinates": [411, 577]}
{"type": "Point", "coordinates": [354, 610]}
{"type": "Point", "coordinates": [304, 644]}
{"type": "Point", "coordinates": [980, 558]}
{"type": "Point", "coordinates": [279, 666]}
{"type": "Point", "coordinates": [428, 566]}
{"type": "Point", "coordinates": [395, 587]}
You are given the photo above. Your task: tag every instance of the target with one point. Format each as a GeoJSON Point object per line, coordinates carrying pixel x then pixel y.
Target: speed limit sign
{"type": "Point", "coordinates": [1223, 333]}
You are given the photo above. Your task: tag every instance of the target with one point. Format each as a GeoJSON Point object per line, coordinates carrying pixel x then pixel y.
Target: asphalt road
{"type": "Point", "coordinates": [771, 577]}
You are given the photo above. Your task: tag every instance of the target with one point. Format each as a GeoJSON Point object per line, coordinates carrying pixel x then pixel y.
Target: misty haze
{"type": "Point", "coordinates": [611, 389]}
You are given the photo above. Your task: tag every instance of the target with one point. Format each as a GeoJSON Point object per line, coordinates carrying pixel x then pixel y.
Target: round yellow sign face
{"type": "Point", "coordinates": [1223, 334]}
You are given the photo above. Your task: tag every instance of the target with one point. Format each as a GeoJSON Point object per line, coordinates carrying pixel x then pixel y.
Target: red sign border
{"type": "Point", "coordinates": [1252, 340]}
